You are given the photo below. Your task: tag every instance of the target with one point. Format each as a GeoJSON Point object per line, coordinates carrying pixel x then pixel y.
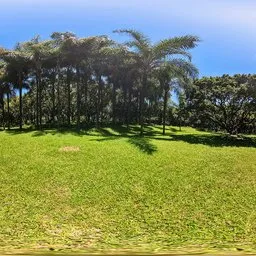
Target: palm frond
{"type": "Point", "coordinates": [185, 67]}
{"type": "Point", "coordinates": [140, 41]}
{"type": "Point", "coordinates": [175, 45]}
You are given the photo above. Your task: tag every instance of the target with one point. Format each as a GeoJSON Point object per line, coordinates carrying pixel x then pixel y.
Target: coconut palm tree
{"type": "Point", "coordinates": [150, 56]}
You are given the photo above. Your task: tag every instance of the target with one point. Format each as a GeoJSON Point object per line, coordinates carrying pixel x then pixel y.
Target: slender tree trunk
{"type": "Point", "coordinates": [37, 104]}
{"type": "Point", "coordinates": [86, 98]}
{"type": "Point", "coordinates": [58, 103]}
{"type": "Point", "coordinates": [128, 109]}
{"type": "Point", "coordinates": [78, 98]}
{"type": "Point", "coordinates": [142, 97]}
{"type": "Point", "coordinates": [124, 106]}
{"type": "Point", "coordinates": [141, 121]}
{"type": "Point", "coordinates": [53, 98]}
{"type": "Point", "coordinates": [20, 101]}
{"type": "Point", "coordinates": [40, 98]}
{"type": "Point", "coordinates": [165, 107]}
{"type": "Point", "coordinates": [138, 107]}
{"type": "Point", "coordinates": [3, 110]}
{"type": "Point", "coordinates": [149, 115]}
{"type": "Point", "coordinates": [98, 107]}
{"type": "Point", "coordinates": [8, 110]}
{"type": "Point", "coordinates": [58, 94]}
{"type": "Point", "coordinates": [114, 103]}
{"type": "Point", "coordinates": [69, 95]}
{"type": "Point", "coordinates": [100, 102]}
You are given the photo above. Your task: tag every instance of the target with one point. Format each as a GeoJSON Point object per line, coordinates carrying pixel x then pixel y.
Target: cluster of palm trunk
{"type": "Point", "coordinates": [67, 80]}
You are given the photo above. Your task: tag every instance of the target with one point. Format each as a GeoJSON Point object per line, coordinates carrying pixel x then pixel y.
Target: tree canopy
{"type": "Point", "coordinates": [224, 103]}
{"type": "Point", "coordinates": [68, 80]}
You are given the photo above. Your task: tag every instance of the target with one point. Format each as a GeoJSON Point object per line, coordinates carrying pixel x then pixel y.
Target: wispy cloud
{"type": "Point", "coordinates": [225, 12]}
{"type": "Point", "coordinates": [236, 15]}
{"type": "Point", "coordinates": [239, 13]}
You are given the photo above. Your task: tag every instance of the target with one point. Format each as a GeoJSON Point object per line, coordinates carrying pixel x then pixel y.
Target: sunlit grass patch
{"type": "Point", "coordinates": [69, 149]}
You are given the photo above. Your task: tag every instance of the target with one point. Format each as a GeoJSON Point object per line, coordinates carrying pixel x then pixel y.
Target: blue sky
{"type": "Point", "coordinates": [227, 27]}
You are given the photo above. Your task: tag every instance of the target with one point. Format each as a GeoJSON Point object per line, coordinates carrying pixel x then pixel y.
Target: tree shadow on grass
{"type": "Point", "coordinates": [140, 142]}
{"type": "Point", "coordinates": [107, 133]}
{"type": "Point", "coordinates": [174, 129]}
{"type": "Point", "coordinates": [33, 132]}
{"type": "Point", "coordinates": [213, 140]}
{"type": "Point", "coordinates": [38, 133]}
{"type": "Point", "coordinates": [17, 131]}
{"type": "Point", "coordinates": [53, 131]}
{"type": "Point", "coordinates": [134, 130]}
{"type": "Point", "coordinates": [143, 143]}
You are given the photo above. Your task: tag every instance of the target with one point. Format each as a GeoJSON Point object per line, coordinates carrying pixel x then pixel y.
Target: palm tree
{"type": "Point", "coordinates": [17, 63]}
{"type": "Point", "coordinates": [174, 74]}
{"type": "Point", "coordinates": [117, 58]}
{"type": "Point", "coordinates": [6, 88]}
{"type": "Point", "coordinates": [63, 43]}
{"type": "Point", "coordinates": [2, 90]}
{"type": "Point", "coordinates": [100, 55]}
{"type": "Point", "coordinates": [38, 53]}
{"type": "Point", "coordinates": [151, 56]}
{"type": "Point", "coordinates": [76, 54]}
{"type": "Point", "coordinates": [2, 104]}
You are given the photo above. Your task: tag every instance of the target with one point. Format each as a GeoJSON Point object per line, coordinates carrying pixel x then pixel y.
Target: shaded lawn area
{"type": "Point", "coordinates": [120, 191]}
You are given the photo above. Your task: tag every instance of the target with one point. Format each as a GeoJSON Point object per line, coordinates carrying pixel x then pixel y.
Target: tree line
{"type": "Point", "coordinates": [71, 81]}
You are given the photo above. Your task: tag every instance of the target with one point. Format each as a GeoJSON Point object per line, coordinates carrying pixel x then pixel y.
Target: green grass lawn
{"type": "Point", "coordinates": [188, 190]}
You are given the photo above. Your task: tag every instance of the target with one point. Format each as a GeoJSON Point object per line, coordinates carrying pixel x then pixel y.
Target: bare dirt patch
{"type": "Point", "coordinates": [69, 149]}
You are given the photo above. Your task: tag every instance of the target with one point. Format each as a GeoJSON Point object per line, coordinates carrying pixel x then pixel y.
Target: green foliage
{"type": "Point", "coordinates": [227, 103]}
{"type": "Point", "coordinates": [92, 80]}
